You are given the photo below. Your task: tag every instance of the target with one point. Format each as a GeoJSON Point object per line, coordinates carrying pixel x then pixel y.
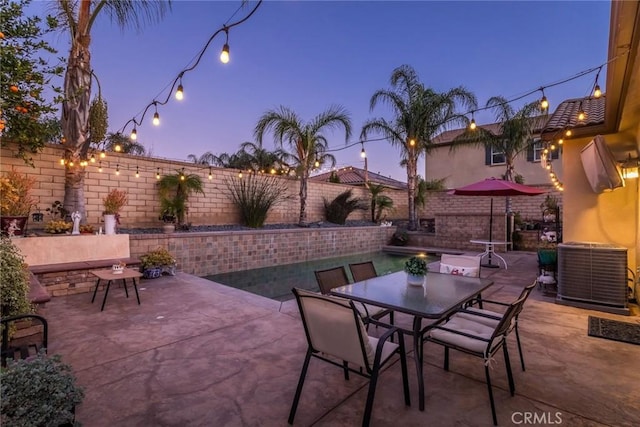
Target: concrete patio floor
{"type": "Point", "coordinates": [197, 353]}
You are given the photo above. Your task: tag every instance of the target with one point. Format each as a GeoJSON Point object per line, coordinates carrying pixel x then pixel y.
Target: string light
{"type": "Point", "coordinates": [363, 153]}
{"type": "Point", "coordinates": [118, 148]}
{"type": "Point", "coordinates": [180, 91]}
{"type": "Point", "coordinates": [560, 141]}
{"type": "Point", "coordinates": [472, 125]}
{"type": "Point", "coordinates": [224, 55]}
{"type": "Point", "coordinates": [544, 103]}
{"type": "Point", "coordinates": [597, 93]}
{"type": "Point", "coordinates": [117, 169]}
{"type": "Point", "coordinates": [412, 142]}
{"type": "Point", "coordinates": [553, 147]}
{"type": "Point", "coordinates": [137, 172]}
{"type": "Point", "coordinates": [71, 164]}
{"type": "Point", "coordinates": [93, 158]}
{"type": "Point", "coordinates": [568, 132]}
{"type": "Point", "coordinates": [62, 161]}
{"type": "Point", "coordinates": [100, 166]}
{"type": "Point", "coordinates": [581, 114]}
{"type": "Point", "coordinates": [273, 171]}
{"type": "Point", "coordinates": [158, 174]}
{"type": "Point", "coordinates": [134, 133]}
{"type": "Point", "coordinates": [240, 174]}
{"type": "Point", "coordinates": [103, 154]}
{"type": "Point", "coordinates": [210, 174]}
{"type": "Point", "coordinates": [156, 116]}
{"type": "Point", "coordinates": [182, 177]}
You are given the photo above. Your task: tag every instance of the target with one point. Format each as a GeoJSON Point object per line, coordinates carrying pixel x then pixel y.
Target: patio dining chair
{"type": "Point", "coordinates": [24, 347]}
{"type": "Point", "coordinates": [492, 318]}
{"type": "Point", "coordinates": [336, 334]}
{"type": "Point", "coordinates": [478, 340]}
{"type": "Point", "coordinates": [336, 277]}
{"type": "Point", "coordinates": [366, 270]}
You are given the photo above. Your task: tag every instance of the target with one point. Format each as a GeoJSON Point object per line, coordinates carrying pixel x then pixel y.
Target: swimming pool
{"type": "Point", "coordinates": [276, 282]}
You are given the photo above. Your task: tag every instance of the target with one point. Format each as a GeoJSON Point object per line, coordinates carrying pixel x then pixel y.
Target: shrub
{"type": "Point", "coordinates": [39, 391]}
{"type": "Point", "coordinates": [15, 196]}
{"type": "Point", "coordinates": [156, 258]}
{"type": "Point", "coordinates": [341, 207]}
{"type": "Point", "coordinates": [255, 196]}
{"type": "Point", "coordinates": [14, 280]}
{"type": "Point", "coordinates": [400, 238]}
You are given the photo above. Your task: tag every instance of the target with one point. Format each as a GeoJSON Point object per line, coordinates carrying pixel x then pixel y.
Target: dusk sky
{"type": "Point", "coordinates": [310, 55]}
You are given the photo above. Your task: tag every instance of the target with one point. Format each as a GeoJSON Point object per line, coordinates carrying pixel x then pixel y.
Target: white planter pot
{"type": "Point", "coordinates": [109, 224]}
{"type": "Point", "coordinates": [168, 228]}
{"type": "Point", "coordinates": [415, 280]}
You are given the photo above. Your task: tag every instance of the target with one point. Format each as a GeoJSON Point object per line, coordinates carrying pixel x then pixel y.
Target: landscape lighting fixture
{"type": "Point", "coordinates": [224, 55]}
{"type": "Point", "coordinates": [180, 92]}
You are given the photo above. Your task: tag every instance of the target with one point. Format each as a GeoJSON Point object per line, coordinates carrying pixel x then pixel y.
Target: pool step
{"type": "Point", "coordinates": [415, 250]}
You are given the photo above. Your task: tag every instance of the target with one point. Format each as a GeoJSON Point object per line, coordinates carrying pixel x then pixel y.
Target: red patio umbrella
{"type": "Point", "coordinates": [496, 187]}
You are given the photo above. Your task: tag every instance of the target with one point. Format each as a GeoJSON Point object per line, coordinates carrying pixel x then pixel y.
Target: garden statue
{"type": "Point", "coordinates": [12, 228]}
{"type": "Point", "coordinates": [76, 222]}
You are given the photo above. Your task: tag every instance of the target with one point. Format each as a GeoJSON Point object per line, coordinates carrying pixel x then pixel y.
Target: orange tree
{"type": "Point", "coordinates": [27, 119]}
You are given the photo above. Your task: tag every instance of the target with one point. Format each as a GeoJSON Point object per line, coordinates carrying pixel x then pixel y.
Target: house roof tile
{"type": "Point", "coordinates": [566, 115]}
{"type": "Point", "coordinates": [355, 176]}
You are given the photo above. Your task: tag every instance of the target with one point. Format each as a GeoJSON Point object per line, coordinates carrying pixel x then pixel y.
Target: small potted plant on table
{"type": "Point", "coordinates": [156, 262]}
{"type": "Point", "coordinates": [416, 269]}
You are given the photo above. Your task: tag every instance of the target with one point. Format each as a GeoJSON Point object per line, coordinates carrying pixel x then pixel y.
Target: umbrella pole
{"type": "Point", "coordinates": [490, 264]}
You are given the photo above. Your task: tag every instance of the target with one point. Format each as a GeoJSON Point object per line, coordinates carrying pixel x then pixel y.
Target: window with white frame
{"type": "Point", "coordinates": [497, 156]}
{"type": "Point", "coordinates": [537, 150]}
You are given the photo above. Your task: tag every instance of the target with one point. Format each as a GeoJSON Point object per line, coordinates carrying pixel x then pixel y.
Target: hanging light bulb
{"type": "Point", "coordinates": [597, 93]}
{"type": "Point", "coordinates": [224, 55]}
{"type": "Point", "coordinates": [134, 134]}
{"type": "Point", "coordinates": [137, 172]}
{"type": "Point", "coordinates": [99, 166]}
{"type": "Point", "coordinates": [568, 132]}
{"type": "Point", "coordinates": [581, 114]}
{"type": "Point", "coordinates": [560, 141]}
{"type": "Point", "coordinates": [317, 164]}
{"type": "Point", "coordinates": [182, 175]}
{"type": "Point", "coordinates": [545, 151]}
{"type": "Point", "coordinates": [71, 164]}
{"type": "Point", "coordinates": [117, 147]}
{"type": "Point", "coordinates": [412, 142]}
{"type": "Point", "coordinates": [553, 147]}
{"type": "Point", "coordinates": [273, 171]}
{"type": "Point", "coordinates": [240, 174]}
{"type": "Point", "coordinates": [62, 162]}
{"type": "Point", "coordinates": [363, 153]}
{"type": "Point", "coordinates": [83, 163]}
{"type": "Point", "coordinates": [156, 116]}
{"type": "Point", "coordinates": [210, 175]}
{"type": "Point", "coordinates": [117, 169]}
{"type": "Point", "coordinates": [158, 173]}
{"type": "Point", "coordinates": [548, 166]}
{"type": "Point", "coordinates": [103, 154]}
{"type": "Point", "coordinates": [180, 92]}
{"type": "Point", "coordinates": [472, 125]}
{"type": "Point", "coordinates": [93, 158]}
{"type": "Point", "coordinates": [544, 103]}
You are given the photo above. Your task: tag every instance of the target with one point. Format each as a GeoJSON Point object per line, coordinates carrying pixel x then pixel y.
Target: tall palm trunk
{"type": "Point", "coordinates": [411, 185]}
{"type": "Point", "coordinates": [75, 112]}
{"type": "Point", "coordinates": [302, 220]}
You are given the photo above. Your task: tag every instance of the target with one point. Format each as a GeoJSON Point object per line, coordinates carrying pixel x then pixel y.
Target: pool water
{"type": "Point", "coordinates": [276, 282]}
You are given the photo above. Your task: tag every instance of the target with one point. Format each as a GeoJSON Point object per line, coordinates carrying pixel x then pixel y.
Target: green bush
{"type": "Point", "coordinates": [39, 391]}
{"type": "Point", "coordinates": [14, 280]}
{"type": "Point", "coordinates": [341, 207]}
{"type": "Point", "coordinates": [255, 196]}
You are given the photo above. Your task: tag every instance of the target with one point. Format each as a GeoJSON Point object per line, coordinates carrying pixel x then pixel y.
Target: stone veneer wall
{"type": "Point", "coordinates": [204, 254]}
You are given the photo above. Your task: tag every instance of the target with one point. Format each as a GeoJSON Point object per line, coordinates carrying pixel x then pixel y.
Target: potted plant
{"type": "Point", "coordinates": [39, 391]}
{"type": "Point", "coordinates": [156, 262]}
{"type": "Point", "coordinates": [15, 202]}
{"type": "Point", "coordinates": [168, 216]}
{"type": "Point", "coordinates": [115, 200]}
{"type": "Point", "coordinates": [400, 238]}
{"type": "Point", "coordinates": [549, 208]}
{"type": "Point", "coordinates": [174, 191]}
{"type": "Point", "coordinates": [416, 269]}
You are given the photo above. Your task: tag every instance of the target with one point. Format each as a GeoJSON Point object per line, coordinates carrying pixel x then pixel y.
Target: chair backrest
{"type": "Point", "coordinates": [363, 271]}
{"type": "Point", "coordinates": [333, 326]}
{"type": "Point", "coordinates": [463, 265]}
{"type": "Point", "coordinates": [505, 324]}
{"type": "Point", "coordinates": [331, 278]}
{"type": "Point", "coordinates": [526, 291]}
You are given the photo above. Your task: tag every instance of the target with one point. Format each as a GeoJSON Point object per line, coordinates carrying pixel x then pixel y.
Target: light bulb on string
{"type": "Point", "coordinates": [180, 93]}
{"type": "Point", "coordinates": [553, 147]}
{"type": "Point", "coordinates": [210, 175]}
{"type": "Point", "coordinates": [103, 154]}
{"type": "Point", "coordinates": [117, 169]}
{"type": "Point", "coordinates": [472, 125]}
{"type": "Point", "coordinates": [363, 153]}
{"type": "Point", "coordinates": [134, 134]}
{"type": "Point", "coordinates": [581, 114]}
{"type": "Point", "coordinates": [182, 175]}
{"type": "Point", "coordinates": [71, 164]}
{"type": "Point", "coordinates": [156, 116]}
{"type": "Point", "coordinates": [117, 148]}
{"type": "Point", "coordinates": [240, 174]}
{"type": "Point", "coordinates": [560, 141]}
{"type": "Point", "coordinates": [93, 158]}
{"type": "Point", "coordinates": [100, 166]}
{"type": "Point", "coordinates": [569, 132]}
{"type": "Point", "coordinates": [224, 55]}
{"type": "Point", "coordinates": [273, 171]}
{"type": "Point", "coordinates": [412, 142]}
{"type": "Point", "coordinates": [158, 173]}
{"type": "Point", "coordinates": [544, 103]}
{"type": "Point", "coordinates": [597, 93]}
{"type": "Point", "coordinates": [137, 172]}
{"type": "Point", "coordinates": [62, 161]}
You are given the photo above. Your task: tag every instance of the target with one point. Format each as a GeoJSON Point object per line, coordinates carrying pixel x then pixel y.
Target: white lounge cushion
{"type": "Point", "coordinates": [465, 326]}
{"type": "Point", "coordinates": [462, 271]}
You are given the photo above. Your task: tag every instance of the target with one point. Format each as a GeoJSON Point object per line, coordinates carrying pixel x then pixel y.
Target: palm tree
{"type": "Point", "coordinates": [125, 144]}
{"type": "Point", "coordinates": [262, 159]}
{"type": "Point", "coordinates": [79, 17]}
{"type": "Point", "coordinates": [307, 143]}
{"type": "Point", "coordinates": [379, 201]}
{"type": "Point", "coordinates": [420, 114]}
{"type": "Point", "coordinates": [208, 158]}
{"type": "Point", "coordinates": [174, 191]}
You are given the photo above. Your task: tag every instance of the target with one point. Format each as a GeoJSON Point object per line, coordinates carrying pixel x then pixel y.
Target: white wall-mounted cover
{"type": "Point", "coordinates": [600, 167]}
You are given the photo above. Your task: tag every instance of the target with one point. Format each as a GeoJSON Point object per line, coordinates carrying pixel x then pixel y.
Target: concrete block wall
{"type": "Point", "coordinates": [143, 207]}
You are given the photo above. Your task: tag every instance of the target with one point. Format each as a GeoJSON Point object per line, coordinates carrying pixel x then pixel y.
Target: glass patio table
{"type": "Point", "coordinates": [440, 295]}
